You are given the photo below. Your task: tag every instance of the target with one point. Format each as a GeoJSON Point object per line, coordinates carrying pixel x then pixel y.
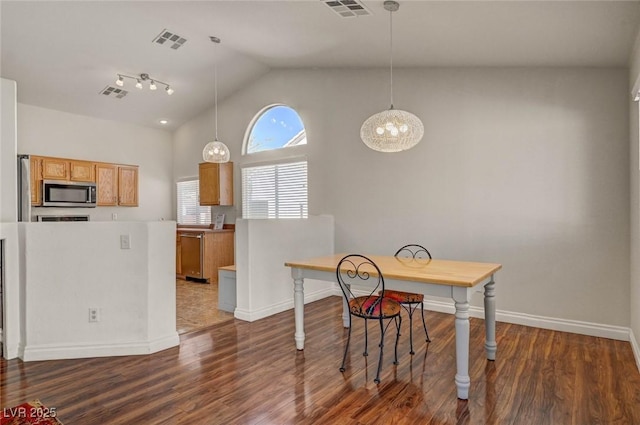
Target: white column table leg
{"type": "Point", "coordinates": [490, 344]}
{"type": "Point", "coordinates": [298, 306]}
{"type": "Point", "coordinates": [463, 381]}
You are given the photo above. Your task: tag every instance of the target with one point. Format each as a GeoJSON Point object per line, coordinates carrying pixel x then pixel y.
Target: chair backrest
{"type": "Point", "coordinates": [413, 251]}
{"type": "Point", "coordinates": [358, 270]}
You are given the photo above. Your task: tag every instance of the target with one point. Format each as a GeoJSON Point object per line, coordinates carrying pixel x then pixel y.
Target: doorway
{"type": "Point", "coordinates": [197, 305]}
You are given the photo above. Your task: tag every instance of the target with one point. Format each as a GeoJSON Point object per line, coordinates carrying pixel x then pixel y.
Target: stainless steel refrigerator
{"type": "Point", "coordinates": [24, 188]}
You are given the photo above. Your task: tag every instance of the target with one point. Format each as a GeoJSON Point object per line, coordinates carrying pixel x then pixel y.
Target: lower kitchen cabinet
{"type": "Point", "coordinates": [200, 252]}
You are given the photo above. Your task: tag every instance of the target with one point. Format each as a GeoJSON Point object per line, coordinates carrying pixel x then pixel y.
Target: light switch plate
{"type": "Point", "coordinates": [125, 242]}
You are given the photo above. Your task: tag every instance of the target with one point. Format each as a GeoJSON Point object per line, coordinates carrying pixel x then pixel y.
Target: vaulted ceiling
{"type": "Point", "coordinates": [63, 54]}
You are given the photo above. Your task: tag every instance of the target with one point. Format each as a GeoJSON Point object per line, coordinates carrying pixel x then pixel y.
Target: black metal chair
{"type": "Point", "coordinates": [364, 273]}
{"type": "Point", "coordinates": [408, 300]}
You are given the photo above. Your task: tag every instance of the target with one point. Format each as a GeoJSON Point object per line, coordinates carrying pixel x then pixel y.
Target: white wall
{"type": "Point", "coordinates": [264, 286]}
{"type": "Point", "coordinates": [134, 289]}
{"type": "Point", "coordinates": [526, 167]}
{"type": "Point", "coordinates": [8, 216]}
{"type": "Point", "coordinates": [52, 133]}
{"type": "Point", "coordinates": [8, 147]}
{"type": "Point", "coordinates": [634, 176]}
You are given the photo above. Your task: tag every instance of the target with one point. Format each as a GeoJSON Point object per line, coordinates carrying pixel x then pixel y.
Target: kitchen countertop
{"type": "Point", "coordinates": [202, 230]}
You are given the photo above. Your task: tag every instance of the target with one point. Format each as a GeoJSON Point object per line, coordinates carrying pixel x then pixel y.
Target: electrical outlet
{"type": "Point", "coordinates": [125, 242]}
{"type": "Point", "coordinates": [94, 314]}
{"type": "Point", "coordinates": [114, 216]}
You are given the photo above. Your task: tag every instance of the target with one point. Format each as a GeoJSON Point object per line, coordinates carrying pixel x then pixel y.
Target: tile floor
{"type": "Point", "coordinates": [197, 306]}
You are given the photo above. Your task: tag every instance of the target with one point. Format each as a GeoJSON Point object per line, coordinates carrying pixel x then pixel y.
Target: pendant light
{"type": "Point", "coordinates": [393, 130]}
{"type": "Point", "coordinates": [215, 151]}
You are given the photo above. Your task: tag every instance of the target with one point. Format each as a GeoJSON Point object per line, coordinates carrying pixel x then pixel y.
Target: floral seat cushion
{"type": "Point", "coordinates": [372, 306]}
{"type": "Point", "coordinates": [404, 297]}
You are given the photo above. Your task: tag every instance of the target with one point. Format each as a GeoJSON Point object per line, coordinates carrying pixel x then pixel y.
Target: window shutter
{"type": "Point", "coordinates": [275, 191]}
{"type": "Point", "coordinates": [189, 209]}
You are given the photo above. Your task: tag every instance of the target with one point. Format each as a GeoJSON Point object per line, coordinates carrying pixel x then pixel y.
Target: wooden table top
{"type": "Point", "coordinates": [455, 273]}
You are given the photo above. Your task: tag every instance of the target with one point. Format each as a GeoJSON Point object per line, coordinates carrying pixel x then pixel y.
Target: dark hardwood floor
{"type": "Point", "coordinates": [250, 373]}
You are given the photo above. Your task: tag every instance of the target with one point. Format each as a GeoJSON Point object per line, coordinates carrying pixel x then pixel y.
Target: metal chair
{"type": "Point", "coordinates": [361, 271]}
{"type": "Point", "coordinates": [408, 300]}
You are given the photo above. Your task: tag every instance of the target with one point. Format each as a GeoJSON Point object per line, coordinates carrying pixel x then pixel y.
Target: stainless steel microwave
{"type": "Point", "coordinates": [59, 193]}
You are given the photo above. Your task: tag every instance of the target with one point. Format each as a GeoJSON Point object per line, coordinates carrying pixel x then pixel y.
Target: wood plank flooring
{"type": "Point", "coordinates": [250, 373]}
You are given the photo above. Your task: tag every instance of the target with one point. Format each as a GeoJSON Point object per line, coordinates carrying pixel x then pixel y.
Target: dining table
{"type": "Point", "coordinates": [453, 279]}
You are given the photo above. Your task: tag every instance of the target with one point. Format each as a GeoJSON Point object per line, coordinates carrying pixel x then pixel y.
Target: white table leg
{"type": "Point", "coordinates": [298, 306]}
{"type": "Point", "coordinates": [490, 344]}
{"type": "Point", "coordinates": [463, 382]}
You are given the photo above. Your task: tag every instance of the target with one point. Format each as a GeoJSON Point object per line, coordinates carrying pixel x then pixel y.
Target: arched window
{"type": "Point", "coordinates": [275, 127]}
{"type": "Point", "coordinates": [278, 188]}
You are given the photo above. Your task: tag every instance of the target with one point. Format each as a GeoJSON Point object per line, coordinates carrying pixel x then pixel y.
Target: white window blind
{"type": "Point", "coordinates": [189, 209]}
{"type": "Point", "coordinates": [275, 191]}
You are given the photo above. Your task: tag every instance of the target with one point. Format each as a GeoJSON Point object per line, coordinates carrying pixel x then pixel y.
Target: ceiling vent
{"type": "Point", "coordinates": [167, 38]}
{"type": "Point", "coordinates": [347, 8]}
{"type": "Point", "coordinates": [114, 92]}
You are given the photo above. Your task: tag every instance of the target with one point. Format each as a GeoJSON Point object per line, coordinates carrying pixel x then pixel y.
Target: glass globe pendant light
{"type": "Point", "coordinates": [393, 130]}
{"type": "Point", "coordinates": [216, 151]}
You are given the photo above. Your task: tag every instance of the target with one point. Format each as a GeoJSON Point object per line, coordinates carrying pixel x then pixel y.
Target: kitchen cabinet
{"type": "Point", "coordinates": [55, 168]}
{"type": "Point", "coordinates": [35, 168]}
{"type": "Point", "coordinates": [216, 183]}
{"type": "Point", "coordinates": [66, 169]}
{"type": "Point", "coordinates": [117, 185]}
{"type": "Point", "coordinates": [82, 171]}
{"type": "Point", "coordinates": [178, 255]}
{"type": "Point", "coordinates": [107, 184]}
{"type": "Point", "coordinates": [128, 186]}
{"type": "Point", "coordinates": [199, 252]}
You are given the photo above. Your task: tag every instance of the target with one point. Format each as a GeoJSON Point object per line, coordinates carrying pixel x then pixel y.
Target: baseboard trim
{"type": "Point", "coordinates": [564, 325]}
{"type": "Point", "coordinates": [635, 348]}
{"type": "Point", "coordinates": [253, 315]}
{"type": "Point", "coordinates": [79, 351]}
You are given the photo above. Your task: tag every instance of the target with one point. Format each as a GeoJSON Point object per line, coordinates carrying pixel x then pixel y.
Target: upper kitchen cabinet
{"type": "Point", "coordinates": [117, 185]}
{"type": "Point", "coordinates": [216, 183]}
{"type": "Point", "coordinates": [36, 180]}
{"type": "Point", "coordinates": [67, 169]}
{"type": "Point", "coordinates": [82, 171]}
{"type": "Point", "coordinates": [107, 183]}
{"type": "Point", "coordinates": [128, 186]}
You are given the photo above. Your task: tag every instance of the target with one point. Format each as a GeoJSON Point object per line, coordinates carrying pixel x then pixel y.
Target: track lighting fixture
{"type": "Point", "coordinates": [144, 77]}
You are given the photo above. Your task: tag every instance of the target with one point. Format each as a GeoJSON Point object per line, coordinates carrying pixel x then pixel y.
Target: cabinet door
{"type": "Point", "coordinates": [107, 184]}
{"type": "Point", "coordinates": [82, 171]}
{"type": "Point", "coordinates": [128, 186]}
{"type": "Point", "coordinates": [216, 183]}
{"type": "Point", "coordinates": [226, 183]}
{"type": "Point", "coordinates": [209, 183]}
{"type": "Point", "coordinates": [218, 252]}
{"type": "Point", "coordinates": [36, 180]}
{"type": "Point", "coordinates": [178, 254]}
{"type": "Point", "coordinates": [55, 169]}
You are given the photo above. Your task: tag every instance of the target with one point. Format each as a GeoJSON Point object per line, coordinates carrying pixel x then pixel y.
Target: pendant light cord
{"type": "Point", "coordinates": [215, 94]}
{"type": "Point", "coordinates": [391, 55]}
{"type": "Point", "coordinates": [215, 40]}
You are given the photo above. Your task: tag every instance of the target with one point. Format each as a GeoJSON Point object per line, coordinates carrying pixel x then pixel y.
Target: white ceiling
{"type": "Point", "coordinates": [63, 53]}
